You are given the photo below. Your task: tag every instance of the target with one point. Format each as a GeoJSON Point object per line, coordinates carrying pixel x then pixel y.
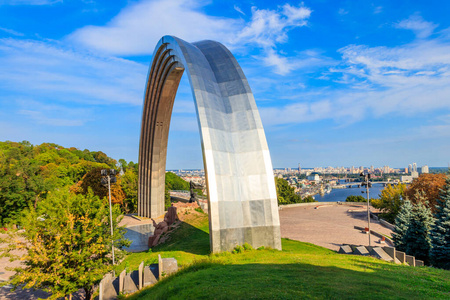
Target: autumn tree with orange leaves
{"type": "Point", "coordinates": [428, 186]}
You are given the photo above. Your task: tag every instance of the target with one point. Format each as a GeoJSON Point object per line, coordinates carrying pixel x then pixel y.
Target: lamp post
{"type": "Point", "coordinates": [367, 184]}
{"type": "Point", "coordinates": [108, 179]}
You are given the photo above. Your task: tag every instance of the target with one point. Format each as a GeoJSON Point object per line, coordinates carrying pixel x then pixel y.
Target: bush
{"type": "Point", "coordinates": [353, 198]}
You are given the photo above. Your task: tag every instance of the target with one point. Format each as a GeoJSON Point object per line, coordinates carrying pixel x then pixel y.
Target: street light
{"type": "Point", "coordinates": [368, 185]}
{"type": "Point", "coordinates": [107, 179]}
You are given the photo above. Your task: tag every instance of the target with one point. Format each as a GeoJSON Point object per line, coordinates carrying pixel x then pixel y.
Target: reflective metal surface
{"type": "Point", "coordinates": [239, 177]}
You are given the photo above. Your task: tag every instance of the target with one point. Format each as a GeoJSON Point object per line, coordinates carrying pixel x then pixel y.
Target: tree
{"type": "Point", "coordinates": [428, 186]}
{"type": "Point", "coordinates": [390, 201]}
{"type": "Point", "coordinates": [175, 182]}
{"type": "Point", "coordinates": [67, 240]}
{"type": "Point", "coordinates": [401, 225]}
{"type": "Point", "coordinates": [353, 198]}
{"type": "Point", "coordinates": [92, 180]}
{"type": "Point", "coordinates": [417, 237]}
{"type": "Point", "coordinates": [286, 194]}
{"type": "Point", "coordinates": [440, 234]}
{"type": "Point", "coordinates": [129, 183]}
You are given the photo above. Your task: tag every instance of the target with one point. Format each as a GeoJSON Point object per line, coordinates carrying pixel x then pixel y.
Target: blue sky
{"type": "Point", "coordinates": [337, 83]}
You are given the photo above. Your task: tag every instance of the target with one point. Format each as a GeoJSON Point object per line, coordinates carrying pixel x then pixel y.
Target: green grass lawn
{"type": "Point", "coordinates": [301, 270]}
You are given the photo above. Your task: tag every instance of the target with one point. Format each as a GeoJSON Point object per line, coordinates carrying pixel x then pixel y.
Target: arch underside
{"type": "Point", "coordinates": [241, 191]}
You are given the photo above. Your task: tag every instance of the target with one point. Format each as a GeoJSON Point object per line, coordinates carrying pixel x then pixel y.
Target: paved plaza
{"type": "Point", "coordinates": [328, 226]}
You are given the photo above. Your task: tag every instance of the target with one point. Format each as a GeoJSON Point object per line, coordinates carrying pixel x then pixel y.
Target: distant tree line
{"type": "Point", "coordinates": [286, 194]}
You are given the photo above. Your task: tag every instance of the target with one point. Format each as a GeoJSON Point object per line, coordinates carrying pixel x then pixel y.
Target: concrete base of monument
{"type": "Point", "coordinates": [138, 235]}
{"type": "Point", "coordinates": [227, 239]}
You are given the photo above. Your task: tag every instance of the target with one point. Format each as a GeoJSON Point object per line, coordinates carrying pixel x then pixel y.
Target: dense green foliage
{"type": "Point", "coordinates": [353, 198]}
{"type": "Point", "coordinates": [300, 271]}
{"type": "Point", "coordinates": [390, 201]}
{"type": "Point", "coordinates": [67, 240]}
{"type": "Point", "coordinates": [28, 173]}
{"type": "Point", "coordinates": [417, 236]}
{"type": "Point", "coordinates": [286, 194]}
{"type": "Point", "coordinates": [175, 182]}
{"type": "Point", "coordinates": [440, 234]}
{"type": "Point", "coordinates": [401, 226]}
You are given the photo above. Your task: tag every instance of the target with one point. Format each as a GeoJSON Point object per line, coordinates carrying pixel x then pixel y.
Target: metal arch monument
{"type": "Point", "coordinates": [242, 198]}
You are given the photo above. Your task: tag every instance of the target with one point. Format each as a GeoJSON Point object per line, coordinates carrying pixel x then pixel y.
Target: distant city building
{"type": "Point", "coordinates": [314, 177]}
{"type": "Point", "coordinates": [406, 178]}
{"type": "Point", "coordinates": [299, 168]}
{"type": "Point", "coordinates": [425, 170]}
{"type": "Point", "coordinates": [414, 166]}
{"type": "Point", "coordinates": [410, 169]}
{"type": "Point", "coordinates": [414, 174]}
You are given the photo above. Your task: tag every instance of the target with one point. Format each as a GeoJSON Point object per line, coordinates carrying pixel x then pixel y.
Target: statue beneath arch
{"type": "Point", "coordinates": [242, 198]}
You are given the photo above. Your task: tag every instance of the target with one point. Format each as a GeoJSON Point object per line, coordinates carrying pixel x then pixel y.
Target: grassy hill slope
{"type": "Point", "coordinates": [301, 270]}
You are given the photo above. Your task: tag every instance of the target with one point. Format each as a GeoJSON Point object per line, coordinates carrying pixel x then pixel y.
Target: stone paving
{"type": "Point", "coordinates": [328, 226]}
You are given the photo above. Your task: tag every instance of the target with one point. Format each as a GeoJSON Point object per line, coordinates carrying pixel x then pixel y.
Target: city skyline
{"type": "Point", "coordinates": [336, 84]}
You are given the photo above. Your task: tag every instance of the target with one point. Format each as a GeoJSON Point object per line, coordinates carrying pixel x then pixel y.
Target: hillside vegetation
{"type": "Point", "coordinates": [301, 270]}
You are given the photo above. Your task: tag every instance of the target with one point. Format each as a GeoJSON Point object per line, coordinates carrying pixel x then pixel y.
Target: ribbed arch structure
{"type": "Point", "coordinates": [241, 191]}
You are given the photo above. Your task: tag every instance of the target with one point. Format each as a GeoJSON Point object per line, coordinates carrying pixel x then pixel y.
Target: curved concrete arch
{"type": "Point", "coordinates": [239, 176]}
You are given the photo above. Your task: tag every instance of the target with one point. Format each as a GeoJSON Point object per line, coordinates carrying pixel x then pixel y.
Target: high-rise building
{"type": "Point", "coordinates": [299, 168]}
{"type": "Point", "coordinates": [410, 169]}
{"type": "Point", "coordinates": [414, 167]}
{"type": "Point", "coordinates": [425, 170]}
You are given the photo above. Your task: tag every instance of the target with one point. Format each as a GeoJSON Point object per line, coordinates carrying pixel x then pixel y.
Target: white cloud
{"type": "Point", "coordinates": [138, 27]}
{"type": "Point", "coordinates": [269, 27]}
{"type": "Point", "coordinates": [59, 73]}
{"type": "Point", "coordinates": [29, 2]}
{"type": "Point", "coordinates": [10, 31]}
{"type": "Point", "coordinates": [238, 9]}
{"type": "Point", "coordinates": [418, 25]}
{"type": "Point", "coordinates": [407, 80]}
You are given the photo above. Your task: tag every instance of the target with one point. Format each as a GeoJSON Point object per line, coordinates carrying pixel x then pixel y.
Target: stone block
{"type": "Point", "coordinates": [391, 252]}
{"type": "Point", "coordinates": [400, 256]}
{"type": "Point", "coordinates": [361, 250]}
{"type": "Point", "coordinates": [121, 280]}
{"type": "Point", "coordinates": [353, 247]}
{"type": "Point", "coordinates": [379, 253]}
{"type": "Point", "coordinates": [345, 249]}
{"type": "Point", "coordinates": [129, 285]}
{"type": "Point", "coordinates": [150, 274]}
{"type": "Point", "coordinates": [141, 275]}
{"type": "Point", "coordinates": [419, 263]}
{"type": "Point", "coordinates": [160, 267]}
{"type": "Point", "coordinates": [410, 260]}
{"type": "Point", "coordinates": [107, 291]}
{"type": "Point", "coordinates": [170, 265]}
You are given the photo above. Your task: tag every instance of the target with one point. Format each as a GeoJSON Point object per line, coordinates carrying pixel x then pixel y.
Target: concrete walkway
{"type": "Point", "coordinates": [328, 226]}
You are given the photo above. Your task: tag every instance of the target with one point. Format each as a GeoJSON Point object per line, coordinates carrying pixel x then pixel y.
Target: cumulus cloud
{"type": "Point", "coordinates": [269, 27]}
{"type": "Point", "coordinates": [418, 25]}
{"type": "Point", "coordinates": [137, 29]}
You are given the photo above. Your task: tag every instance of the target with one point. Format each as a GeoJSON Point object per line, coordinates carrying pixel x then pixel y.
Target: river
{"type": "Point", "coordinates": [341, 194]}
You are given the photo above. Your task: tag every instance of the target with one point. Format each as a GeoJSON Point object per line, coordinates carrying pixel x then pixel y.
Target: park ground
{"type": "Point", "coordinates": [301, 270]}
